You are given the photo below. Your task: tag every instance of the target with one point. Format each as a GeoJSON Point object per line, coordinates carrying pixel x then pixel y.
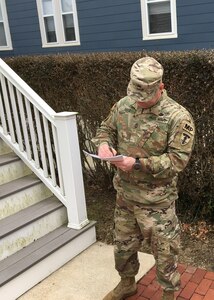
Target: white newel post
{"type": "Point", "coordinates": [71, 168]}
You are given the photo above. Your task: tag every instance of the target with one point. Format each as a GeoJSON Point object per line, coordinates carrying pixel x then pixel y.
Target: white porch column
{"type": "Point", "coordinates": [71, 168]}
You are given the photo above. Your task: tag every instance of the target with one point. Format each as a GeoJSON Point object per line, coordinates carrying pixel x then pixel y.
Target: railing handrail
{"type": "Point", "coordinates": [68, 186]}
{"type": "Point", "coordinates": [27, 91]}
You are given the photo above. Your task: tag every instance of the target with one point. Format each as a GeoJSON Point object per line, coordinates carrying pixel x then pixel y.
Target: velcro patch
{"type": "Point", "coordinates": [185, 138]}
{"type": "Point", "coordinates": [188, 127]}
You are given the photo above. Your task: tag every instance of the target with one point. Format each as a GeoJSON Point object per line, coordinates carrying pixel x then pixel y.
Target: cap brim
{"type": "Point", "coordinates": [140, 94]}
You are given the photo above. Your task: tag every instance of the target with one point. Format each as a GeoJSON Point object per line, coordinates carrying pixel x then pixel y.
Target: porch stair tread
{"type": "Point", "coordinates": [24, 259]}
{"type": "Point", "coordinates": [28, 215]}
{"type": "Point", "coordinates": [8, 158]}
{"type": "Point", "coordinates": [18, 185]}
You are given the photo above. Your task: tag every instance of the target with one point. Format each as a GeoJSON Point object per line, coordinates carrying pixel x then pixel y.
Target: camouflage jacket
{"type": "Point", "coordinates": [161, 136]}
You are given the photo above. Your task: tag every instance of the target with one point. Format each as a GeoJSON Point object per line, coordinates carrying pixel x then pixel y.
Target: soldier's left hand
{"type": "Point", "coordinates": [126, 164]}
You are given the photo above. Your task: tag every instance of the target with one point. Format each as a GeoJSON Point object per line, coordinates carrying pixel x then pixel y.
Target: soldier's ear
{"type": "Point", "coordinates": [161, 86]}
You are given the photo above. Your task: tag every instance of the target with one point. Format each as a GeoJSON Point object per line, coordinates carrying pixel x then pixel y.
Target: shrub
{"type": "Point", "coordinates": [91, 83]}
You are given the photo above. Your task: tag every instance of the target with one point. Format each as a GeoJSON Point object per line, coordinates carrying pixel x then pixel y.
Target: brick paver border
{"type": "Point", "coordinates": [196, 284]}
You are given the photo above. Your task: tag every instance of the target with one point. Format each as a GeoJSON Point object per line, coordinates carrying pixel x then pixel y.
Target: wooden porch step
{"type": "Point", "coordinates": [12, 168]}
{"type": "Point", "coordinates": [21, 193]}
{"type": "Point", "coordinates": [4, 148]}
{"type": "Point", "coordinates": [28, 225]}
{"type": "Point", "coordinates": [8, 158]}
{"type": "Point", "coordinates": [18, 263]}
{"type": "Point", "coordinates": [18, 185]}
{"type": "Point", "coordinates": [28, 215]}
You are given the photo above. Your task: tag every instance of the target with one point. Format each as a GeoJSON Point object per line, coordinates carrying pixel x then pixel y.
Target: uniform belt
{"type": "Point", "coordinates": [136, 182]}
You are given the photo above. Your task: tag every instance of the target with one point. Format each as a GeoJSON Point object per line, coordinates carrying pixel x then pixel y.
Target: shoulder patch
{"type": "Point", "coordinates": [185, 138]}
{"type": "Point", "coordinates": [189, 128]}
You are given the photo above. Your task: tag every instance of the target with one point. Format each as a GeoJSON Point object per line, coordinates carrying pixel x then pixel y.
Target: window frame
{"type": "Point", "coordinates": [145, 21]}
{"type": "Point", "coordinates": [59, 26]}
{"type": "Point", "coordinates": [6, 27]}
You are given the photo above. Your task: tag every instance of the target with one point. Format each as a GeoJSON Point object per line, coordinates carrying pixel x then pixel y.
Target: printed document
{"type": "Point", "coordinates": [112, 158]}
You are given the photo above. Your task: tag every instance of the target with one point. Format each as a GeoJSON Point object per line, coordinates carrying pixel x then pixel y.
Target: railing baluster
{"type": "Point", "coordinates": [28, 122]}
{"type": "Point", "coordinates": [2, 114]}
{"type": "Point", "coordinates": [41, 142]}
{"type": "Point", "coordinates": [7, 107]}
{"type": "Point", "coordinates": [16, 118]}
{"type": "Point", "coordinates": [32, 133]}
{"type": "Point", "coordinates": [49, 150]}
{"type": "Point", "coordinates": [24, 125]}
{"type": "Point", "coordinates": [59, 166]}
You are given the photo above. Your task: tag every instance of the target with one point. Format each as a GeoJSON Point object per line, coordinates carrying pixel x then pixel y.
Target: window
{"type": "Point", "coordinates": [5, 39]}
{"type": "Point", "coordinates": [159, 19]}
{"type": "Point", "coordinates": [58, 23]}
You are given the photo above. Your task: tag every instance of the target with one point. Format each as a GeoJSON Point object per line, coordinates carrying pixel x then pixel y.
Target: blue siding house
{"type": "Point", "coordinates": [30, 27]}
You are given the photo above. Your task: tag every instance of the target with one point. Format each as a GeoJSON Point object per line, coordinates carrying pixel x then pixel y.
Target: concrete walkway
{"type": "Point", "coordinates": [89, 276]}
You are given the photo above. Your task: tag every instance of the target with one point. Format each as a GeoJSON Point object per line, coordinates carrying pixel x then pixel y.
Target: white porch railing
{"type": "Point", "coordinates": [45, 140]}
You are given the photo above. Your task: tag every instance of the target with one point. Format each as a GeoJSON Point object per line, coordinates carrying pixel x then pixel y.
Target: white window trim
{"type": "Point", "coordinates": [145, 22]}
{"type": "Point", "coordinates": [6, 27]}
{"type": "Point", "coordinates": [61, 42]}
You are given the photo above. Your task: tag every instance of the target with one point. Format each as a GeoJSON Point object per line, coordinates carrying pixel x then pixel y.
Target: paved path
{"type": "Point", "coordinates": [91, 275]}
{"type": "Point", "coordinates": [196, 284]}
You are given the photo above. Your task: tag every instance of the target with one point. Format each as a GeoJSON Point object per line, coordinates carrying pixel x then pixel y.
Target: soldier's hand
{"type": "Point", "coordinates": [105, 151]}
{"type": "Point", "coordinates": [126, 164]}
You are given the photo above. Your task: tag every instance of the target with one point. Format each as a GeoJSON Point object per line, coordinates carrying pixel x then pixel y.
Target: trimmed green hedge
{"type": "Point", "coordinates": [91, 83]}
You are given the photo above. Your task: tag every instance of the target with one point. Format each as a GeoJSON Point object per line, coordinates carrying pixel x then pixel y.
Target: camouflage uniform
{"type": "Point", "coordinates": [162, 136]}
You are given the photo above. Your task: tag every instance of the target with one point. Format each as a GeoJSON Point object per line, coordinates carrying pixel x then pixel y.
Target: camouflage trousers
{"type": "Point", "coordinates": [160, 228]}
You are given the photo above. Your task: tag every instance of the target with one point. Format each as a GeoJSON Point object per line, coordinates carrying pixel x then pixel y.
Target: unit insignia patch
{"type": "Point", "coordinates": [185, 138]}
{"type": "Point", "coordinates": [188, 128]}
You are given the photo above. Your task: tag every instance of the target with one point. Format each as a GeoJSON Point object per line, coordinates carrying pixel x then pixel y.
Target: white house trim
{"type": "Point", "coordinates": [145, 21]}
{"type": "Point", "coordinates": [6, 27]}
{"type": "Point", "coordinates": [59, 27]}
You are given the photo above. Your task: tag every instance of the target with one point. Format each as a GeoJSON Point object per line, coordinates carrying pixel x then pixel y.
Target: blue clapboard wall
{"type": "Point", "coordinates": [112, 25]}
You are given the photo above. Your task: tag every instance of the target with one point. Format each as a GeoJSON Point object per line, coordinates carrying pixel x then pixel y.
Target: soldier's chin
{"type": "Point", "coordinates": [147, 103]}
{"type": "Point", "coordinates": [139, 98]}
{"type": "Point", "coordinates": [144, 100]}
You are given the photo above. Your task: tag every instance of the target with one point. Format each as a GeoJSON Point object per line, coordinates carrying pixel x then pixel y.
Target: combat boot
{"type": "Point", "coordinates": [168, 295]}
{"type": "Point", "coordinates": [126, 287]}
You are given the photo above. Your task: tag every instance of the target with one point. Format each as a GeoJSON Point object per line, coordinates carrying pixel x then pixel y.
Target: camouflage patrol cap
{"type": "Point", "coordinates": [146, 75]}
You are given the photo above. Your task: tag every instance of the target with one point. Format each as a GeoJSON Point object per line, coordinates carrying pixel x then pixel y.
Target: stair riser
{"type": "Point", "coordinates": [19, 285]}
{"type": "Point", "coordinates": [24, 236]}
{"type": "Point", "coordinates": [16, 202]}
{"type": "Point", "coordinates": [4, 149]}
{"type": "Point", "coordinates": [12, 171]}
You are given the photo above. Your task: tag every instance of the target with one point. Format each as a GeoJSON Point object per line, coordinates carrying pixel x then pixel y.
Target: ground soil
{"type": "Point", "coordinates": [197, 239]}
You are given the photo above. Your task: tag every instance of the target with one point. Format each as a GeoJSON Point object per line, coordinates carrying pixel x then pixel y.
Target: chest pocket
{"type": "Point", "coordinates": [154, 139]}
{"type": "Point", "coordinates": [145, 133]}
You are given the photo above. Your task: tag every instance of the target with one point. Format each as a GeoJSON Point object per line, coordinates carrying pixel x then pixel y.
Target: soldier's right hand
{"type": "Point", "coordinates": [105, 151]}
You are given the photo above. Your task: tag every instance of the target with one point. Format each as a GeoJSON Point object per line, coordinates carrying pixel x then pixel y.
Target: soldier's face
{"type": "Point", "coordinates": [151, 102]}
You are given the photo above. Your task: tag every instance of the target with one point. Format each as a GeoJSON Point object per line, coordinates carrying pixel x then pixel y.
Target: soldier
{"type": "Point", "coordinates": [156, 135]}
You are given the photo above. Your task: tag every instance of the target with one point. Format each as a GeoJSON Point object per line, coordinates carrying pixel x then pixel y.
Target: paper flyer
{"type": "Point", "coordinates": [112, 158]}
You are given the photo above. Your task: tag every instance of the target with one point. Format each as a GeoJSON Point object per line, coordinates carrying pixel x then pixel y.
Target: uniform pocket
{"type": "Point", "coordinates": [156, 143]}
{"type": "Point", "coordinates": [146, 133]}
